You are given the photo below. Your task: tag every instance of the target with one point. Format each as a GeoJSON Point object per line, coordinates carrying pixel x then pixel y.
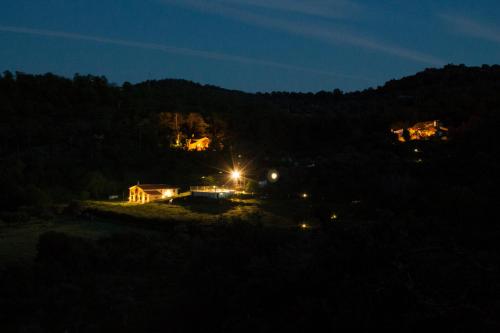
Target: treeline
{"type": "Point", "coordinates": [87, 138]}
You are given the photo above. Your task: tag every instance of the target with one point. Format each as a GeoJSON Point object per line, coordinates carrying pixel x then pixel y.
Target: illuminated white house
{"type": "Point", "coordinates": [151, 192]}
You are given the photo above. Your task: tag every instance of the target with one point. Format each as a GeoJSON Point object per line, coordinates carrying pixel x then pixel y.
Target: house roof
{"type": "Point", "coordinates": [152, 192]}
{"type": "Point", "coordinates": [424, 124]}
{"type": "Point", "coordinates": [149, 187]}
{"type": "Point", "coordinates": [200, 139]}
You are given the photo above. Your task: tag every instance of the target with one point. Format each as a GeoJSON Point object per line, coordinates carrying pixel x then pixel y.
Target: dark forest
{"type": "Point", "coordinates": [393, 235]}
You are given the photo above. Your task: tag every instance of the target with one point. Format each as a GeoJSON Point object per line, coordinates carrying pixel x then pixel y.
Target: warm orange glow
{"type": "Point", "coordinates": [305, 195]}
{"type": "Point", "coordinates": [168, 193]}
{"type": "Point", "coordinates": [422, 131]}
{"type": "Point", "coordinates": [198, 144]}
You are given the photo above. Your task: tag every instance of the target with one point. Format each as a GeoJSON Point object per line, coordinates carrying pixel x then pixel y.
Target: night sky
{"type": "Point", "coordinates": [250, 45]}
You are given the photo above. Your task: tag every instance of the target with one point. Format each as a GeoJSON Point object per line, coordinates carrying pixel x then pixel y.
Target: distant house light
{"type": "Point", "coordinates": [421, 131]}
{"type": "Point", "coordinates": [198, 144]}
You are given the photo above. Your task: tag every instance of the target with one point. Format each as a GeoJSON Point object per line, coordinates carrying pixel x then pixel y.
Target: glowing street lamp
{"type": "Point", "coordinates": [273, 176]}
{"type": "Point", "coordinates": [235, 175]}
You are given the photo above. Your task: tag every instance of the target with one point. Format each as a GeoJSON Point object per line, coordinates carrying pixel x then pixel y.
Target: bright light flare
{"type": "Point", "coordinates": [235, 175]}
{"type": "Point", "coordinates": [273, 176]}
{"type": "Point", "coordinates": [305, 195]}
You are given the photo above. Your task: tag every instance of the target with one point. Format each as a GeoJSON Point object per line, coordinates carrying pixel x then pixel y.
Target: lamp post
{"type": "Point", "coordinates": [236, 176]}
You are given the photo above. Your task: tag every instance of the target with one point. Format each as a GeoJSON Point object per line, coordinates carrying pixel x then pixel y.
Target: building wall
{"type": "Point", "coordinates": [212, 195]}
{"type": "Point", "coordinates": [136, 194]}
{"type": "Point", "coordinates": [170, 192]}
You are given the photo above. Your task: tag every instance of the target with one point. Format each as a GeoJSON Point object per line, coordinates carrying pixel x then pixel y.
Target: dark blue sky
{"type": "Point", "coordinates": [250, 45]}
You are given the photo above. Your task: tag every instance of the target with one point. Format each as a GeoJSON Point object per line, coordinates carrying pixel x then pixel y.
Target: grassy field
{"type": "Point", "coordinates": [202, 211]}
{"type": "Point", "coordinates": [18, 241]}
